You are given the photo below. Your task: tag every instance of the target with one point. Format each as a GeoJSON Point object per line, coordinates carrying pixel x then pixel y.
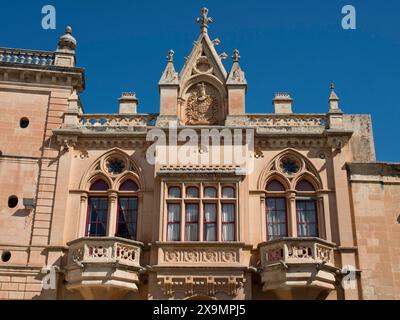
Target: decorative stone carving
{"type": "Point", "coordinates": [201, 285]}
{"type": "Point", "coordinates": [198, 256]}
{"type": "Point", "coordinates": [203, 66]}
{"type": "Point", "coordinates": [87, 250]}
{"type": "Point", "coordinates": [202, 105]}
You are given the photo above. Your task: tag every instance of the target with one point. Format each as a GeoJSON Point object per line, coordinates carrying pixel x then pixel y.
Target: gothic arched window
{"type": "Point", "coordinates": [127, 210]}
{"type": "Point", "coordinates": [306, 210]}
{"type": "Point", "coordinates": [276, 211]}
{"type": "Point", "coordinates": [97, 217]}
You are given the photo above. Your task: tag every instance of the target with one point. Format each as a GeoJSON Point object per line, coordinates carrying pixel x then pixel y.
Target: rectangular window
{"type": "Point", "coordinates": [228, 222]}
{"type": "Point", "coordinates": [276, 218]}
{"type": "Point", "coordinates": [127, 218]}
{"type": "Point", "coordinates": [192, 222]}
{"type": "Point", "coordinates": [307, 225]}
{"type": "Point", "coordinates": [210, 222]}
{"type": "Point", "coordinates": [174, 222]}
{"type": "Point", "coordinates": [96, 225]}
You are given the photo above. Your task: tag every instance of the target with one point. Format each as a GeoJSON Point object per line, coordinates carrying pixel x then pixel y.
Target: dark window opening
{"type": "Point", "coordinates": [6, 256]}
{"type": "Point", "coordinates": [96, 225]}
{"type": "Point", "coordinates": [24, 123]}
{"type": "Point", "coordinates": [127, 218]}
{"type": "Point", "coordinates": [128, 185]}
{"type": "Point", "coordinates": [99, 185]}
{"type": "Point", "coordinates": [12, 201]}
{"type": "Point", "coordinates": [275, 186]}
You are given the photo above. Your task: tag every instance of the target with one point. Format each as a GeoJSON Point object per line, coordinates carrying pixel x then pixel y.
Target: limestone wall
{"type": "Point", "coordinates": [375, 189]}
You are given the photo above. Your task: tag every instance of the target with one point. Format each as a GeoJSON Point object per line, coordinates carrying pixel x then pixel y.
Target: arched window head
{"type": "Point", "coordinates": [228, 192]}
{"type": "Point", "coordinates": [174, 192]}
{"type": "Point", "coordinates": [275, 186]}
{"type": "Point", "coordinates": [210, 192]}
{"type": "Point", "coordinates": [192, 192]}
{"type": "Point", "coordinates": [99, 185]}
{"type": "Point", "coordinates": [129, 185]}
{"type": "Point", "coordinates": [305, 186]}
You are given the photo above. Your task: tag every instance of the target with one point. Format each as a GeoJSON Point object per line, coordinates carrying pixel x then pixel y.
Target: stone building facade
{"type": "Point", "coordinates": [86, 214]}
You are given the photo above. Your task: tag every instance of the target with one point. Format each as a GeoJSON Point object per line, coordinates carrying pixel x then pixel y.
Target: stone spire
{"type": "Point", "coordinates": [236, 76]}
{"type": "Point", "coordinates": [334, 101]}
{"type": "Point", "coordinates": [67, 42]}
{"type": "Point", "coordinates": [204, 20]}
{"type": "Point", "coordinates": [169, 76]}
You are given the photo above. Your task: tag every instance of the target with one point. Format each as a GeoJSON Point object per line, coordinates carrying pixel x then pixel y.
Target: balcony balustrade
{"type": "Point", "coordinates": [298, 267]}
{"type": "Point", "coordinates": [99, 266]}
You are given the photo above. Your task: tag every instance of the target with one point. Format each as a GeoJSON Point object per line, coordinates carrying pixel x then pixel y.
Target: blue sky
{"type": "Point", "coordinates": [287, 45]}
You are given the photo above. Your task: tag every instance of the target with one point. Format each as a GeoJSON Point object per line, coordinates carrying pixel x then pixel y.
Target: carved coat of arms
{"type": "Point", "coordinates": [202, 108]}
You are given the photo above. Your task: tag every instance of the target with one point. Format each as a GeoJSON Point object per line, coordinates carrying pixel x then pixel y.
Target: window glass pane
{"type": "Point", "coordinates": [228, 232]}
{"type": "Point", "coordinates": [191, 232]}
{"type": "Point", "coordinates": [275, 186]}
{"type": "Point", "coordinates": [192, 192]}
{"type": "Point", "coordinates": [173, 228]}
{"type": "Point", "coordinates": [192, 212]}
{"type": "Point", "coordinates": [210, 232]}
{"type": "Point", "coordinates": [210, 212]}
{"type": "Point", "coordinates": [173, 232]}
{"type": "Point", "coordinates": [192, 218]}
{"type": "Point", "coordinates": [97, 219]}
{"type": "Point", "coordinates": [210, 222]}
{"type": "Point", "coordinates": [228, 212]}
{"type": "Point", "coordinates": [129, 185]}
{"type": "Point", "coordinates": [228, 192]}
{"type": "Point", "coordinates": [99, 185]}
{"type": "Point", "coordinates": [305, 186]}
{"type": "Point", "coordinates": [276, 218]}
{"type": "Point", "coordinates": [306, 218]}
{"type": "Point", "coordinates": [228, 222]}
{"type": "Point", "coordinates": [174, 192]}
{"type": "Point", "coordinates": [174, 212]}
{"type": "Point", "coordinates": [127, 218]}
{"type": "Point", "coordinates": [210, 192]}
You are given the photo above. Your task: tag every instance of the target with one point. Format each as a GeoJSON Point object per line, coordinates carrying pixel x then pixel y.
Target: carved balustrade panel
{"type": "Point", "coordinates": [91, 121]}
{"type": "Point", "coordinates": [87, 250]}
{"type": "Point", "coordinates": [33, 57]}
{"type": "Point", "coordinates": [297, 251]}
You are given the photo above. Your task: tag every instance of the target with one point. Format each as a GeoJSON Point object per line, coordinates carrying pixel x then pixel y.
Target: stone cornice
{"type": "Point", "coordinates": [42, 74]}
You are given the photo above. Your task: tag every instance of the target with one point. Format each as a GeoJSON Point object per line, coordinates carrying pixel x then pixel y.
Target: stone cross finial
{"type": "Point", "coordinates": [204, 19]}
{"type": "Point", "coordinates": [170, 56]}
{"type": "Point", "coordinates": [236, 56]}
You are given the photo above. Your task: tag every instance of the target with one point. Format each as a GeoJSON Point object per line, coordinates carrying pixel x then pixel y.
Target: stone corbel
{"type": "Point", "coordinates": [337, 143]}
{"type": "Point", "coordinates": [166, 286]}
{"type": "Point", "coordinates": [211, 286]}
{"type": "Point", "coordinates": [67, 143]}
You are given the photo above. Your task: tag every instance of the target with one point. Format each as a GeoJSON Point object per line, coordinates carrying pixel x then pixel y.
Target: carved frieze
{"type": "Point", "coordinates": [198, 256]}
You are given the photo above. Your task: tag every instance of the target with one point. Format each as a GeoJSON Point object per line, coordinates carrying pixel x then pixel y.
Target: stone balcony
{"type": "Point", "coordinates": [213, 269]}
{"type": "Point", "coordinates": [103, 268]}
{"type": "Point", "coordinates": [298, 268]}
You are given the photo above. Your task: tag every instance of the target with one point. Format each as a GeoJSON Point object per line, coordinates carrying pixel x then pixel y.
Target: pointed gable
{"type": "Point", "coordinates": [202, 93]}
{"type": "Point", "coordinates": [203, 59]}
